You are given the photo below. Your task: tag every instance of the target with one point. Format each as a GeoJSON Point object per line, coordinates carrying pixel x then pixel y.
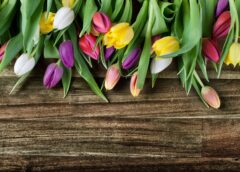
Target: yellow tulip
{"type": "Point", "coordinates": [68, 3]}
{"type": "Point", "coordinates": [166, 45]}
{"type": "Point", "coordinates": [119, 36]}
{"type": "Point", "coordinates": [46, 23]}
{"type": "Point", "coordinates": [233, 55]}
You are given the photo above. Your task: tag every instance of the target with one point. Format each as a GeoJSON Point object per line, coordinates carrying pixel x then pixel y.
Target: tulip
{"type": "Point", "coordinates": [101, 22]}
{"type": "Point", "coordinates": [155, 38]}
{"type": "Point", "coordinates": [2, 50]}
{"type": "Point", "coordinates": [24, 64]}
{"type": "Point", "coordinates": [66, 53]}
{"type": "Point", "coordinates": [94, 32]}
{"type": "Point", "coordinates": [222, 25]}
{"type": "Point", "coordinates": [233, 55]}
{"type": "Point", "coordinates": [52, 75]}
{"type": "Point", "coordinates": [112, 77]}
{"type": "Point", "coordinates": [222, 5]}
{"type": "Point", "coordinates": [210, 50]}
{"type": "Point", "coordinates": [109, 52]}
{"type": "Point", "coordinates": [118, 36]}
{"type": "Point", "coordinates": [87, 45]}
{"type": "Point", "coordinates": [133, 85]}
{"type": "Point", "coordinates": [166, 45]}
{"type": "Point", "coordinates": [68, 3]}
{"type": "Point", "coordinates": [211, 97]}
{"type": "Point", "coordinates": [132, 59]}
{"type": "Point", "coordinates": [46, 22]}
{"type": "Point", "coordinates": [64, 17]}
{"type": "Point", "coordinates": [160, 64]}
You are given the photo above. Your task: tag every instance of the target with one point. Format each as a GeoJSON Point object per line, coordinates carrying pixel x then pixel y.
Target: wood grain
{"type": "Point", "coordinates": [161, 130]}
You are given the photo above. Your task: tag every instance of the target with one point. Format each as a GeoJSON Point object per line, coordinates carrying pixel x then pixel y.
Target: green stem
{"type": "Point", "coordinates": [198, 78]}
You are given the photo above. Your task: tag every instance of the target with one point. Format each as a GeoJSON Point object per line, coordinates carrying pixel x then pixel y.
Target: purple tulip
{"type": "Point", "coordinates": [222, 5]}
{"type": "Point", "coordinates": [132, 59]}
{"type": "Point", "coordinates": [67, 54]}
{"type": "Point", "coordinates": [109, 52]}
{"type": "Point", "coordinates": [52, 75]}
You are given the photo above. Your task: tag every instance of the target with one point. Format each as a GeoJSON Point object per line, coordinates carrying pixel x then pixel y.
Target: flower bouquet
{"type": "Point", "coordinates": [128, 38]}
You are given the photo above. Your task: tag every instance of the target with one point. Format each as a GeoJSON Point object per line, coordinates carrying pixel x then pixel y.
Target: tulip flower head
{"type": "Point", "coordinates": [211, 97]}
{"type": "Point", "coordinates": [166, 45]}
{"type": "Point", "coordinates": [112, 77]}
{"type": "Point", "coordinates": [133, 85]}
{"type": "Point", "coordinates": [118, 36]}
{"type": "Point", "coordinates": [222, 5]}
{"type": "Point", "coordinates": [87, 45]}
{"type": "Point", "coordinates": [52, 75]}
{"type": "Point", "coordinates": [24, 64]}
{"type": "Point", "coordinates": [160, 64]}
{"type": "Point", "coordinates": [109, 52]}
{"type": "Point", "coordinates": [68, 3]}
{"type": "Point", "coordinates": [210, 50]}
{"type": "Point", "coordinates": [101, 22]}
{"type": "Point", "coordinates": [222, 25]}
{"type": "Point", "coordinates": [233, 55]}
{"type": "Point", "coordinates": [46, 22]}
{"type": "Point", "coordinates": [63, 18]}
{"type": "Point", "coordinates": [132, 59]}
{"type": "Point", "coordinates": [2, 50]}
{"type": "Point", "coordinates": [66, 53]}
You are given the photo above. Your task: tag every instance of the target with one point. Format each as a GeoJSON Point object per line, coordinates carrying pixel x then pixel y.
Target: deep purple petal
{"type": "Point", "coordinates": [109, 52]}
{"type": "Point", "coordinates": [222, 5]}
{"type": "Point", "coordinates": [66, 53]}
{"type": "Point", "coordinates": [52, 75]}
{"type": "Point", "coordinates": [132, 59]}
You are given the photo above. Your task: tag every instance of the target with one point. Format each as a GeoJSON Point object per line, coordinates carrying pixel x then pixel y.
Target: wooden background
{"type": "Point", "coordinates": [161, 130]}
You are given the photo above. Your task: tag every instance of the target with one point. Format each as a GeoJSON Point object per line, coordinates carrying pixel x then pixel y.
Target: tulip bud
{"type": "Point", "coordinates": [233, 55]}
{"type": "Point", "coordinates": [210, 50]}
{"type": "Point", "coordinates": [132, 59]}
{"type": "Point", "coordinates": [46, 22]}
{"type": "Point", "coordinates": [166, 45]}
{"type": "Point", "coordinates": [24, 64]}
{"type": "Point", "coordinates": [109, 52]}
{"type": "Point", "coordinates": [68, 3]}
{"type": "Point", "coordinates": [112, 77]}
{"type": "Point", "coordinates": [101, 22]}
{"type": "Point", "coordinates": [87, 45]}
{"type": "Point", "coordinates": [2, 50]}
{"type": "Point", "coordinates": [66, 53]}
{"type": "Point", "coordinates": [222, 25]}
{"type": "Point", "coordinates": [211, 97]}
{"type": "Point", "coordinates": [118, 36]}
{"type": "Point", "coordinates": [222, 5]}
{"type": "Point", "coordinates": [52, 75]}
{"type": "Point", "coordinates": [133, 85]}
{"type": "Point", "coordinates": [160, 64]}
{"type": "Point", "coordinates": [63, 18]}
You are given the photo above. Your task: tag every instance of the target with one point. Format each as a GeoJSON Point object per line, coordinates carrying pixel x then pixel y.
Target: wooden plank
{"type": "Point", "coordinates": [105, 163]}
{"type": "Point", "coordinates": [97, 144]}
{"type": "Point", "coordinates": [171, 72]}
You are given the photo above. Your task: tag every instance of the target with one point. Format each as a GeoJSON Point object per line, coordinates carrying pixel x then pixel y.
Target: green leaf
{"type": "Point", "coordinates": [13, 48]}
{"type": "Point", "coordinates": [50, 50]}
{"type": "Point", "coordinates": [117, 9]}
{"type": "Point", "coordinates": [89, 9]}
{"type": "Point", "coordinates": [66, 79]}
{"type": "Point", "coordinates": [82, 67]}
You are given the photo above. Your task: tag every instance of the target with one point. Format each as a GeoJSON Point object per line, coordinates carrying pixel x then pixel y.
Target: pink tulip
{"type": "Point", "coordinates": [133, 85]}
{"type": "Point", "coordinates": [222, 25]}
{"type": "Point", "coordinates": [101, 22]}
{"type": "Point", "coordinates": [2, 50]}
{"type": "Point", "coordinates": [211, 97]}
{"type": "Point", "coordinates": [112, 77]}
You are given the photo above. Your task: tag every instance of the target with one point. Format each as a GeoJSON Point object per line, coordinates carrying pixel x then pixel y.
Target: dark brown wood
{"type": "Point", "coordinates": [161, 130]}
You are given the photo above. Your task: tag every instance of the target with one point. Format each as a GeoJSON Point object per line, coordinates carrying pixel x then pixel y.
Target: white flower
{"type": "Point", "coordinates": [63, 18]}
{"type": "Point", "coordinates": [24, 64]}
{"type": "Point", "coordinates": [159, 64]}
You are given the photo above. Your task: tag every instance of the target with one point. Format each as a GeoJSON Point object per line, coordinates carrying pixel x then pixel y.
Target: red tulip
{"type": "Point", "coordinates": [210, 50]}
{"type": "Point", "coordinates": [222, 25]}
{"type": "Point", "coordinates": [87, 45]}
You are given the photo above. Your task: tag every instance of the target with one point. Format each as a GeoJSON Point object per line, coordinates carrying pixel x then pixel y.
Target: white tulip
{"type": "Point", "coordinates": [63, 18]}
{"type": "Point", "coordinates": [159, 64]}
{"type": "Point", "coordinates": [24, 64]}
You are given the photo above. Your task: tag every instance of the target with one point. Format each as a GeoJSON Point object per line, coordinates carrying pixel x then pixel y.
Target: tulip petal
{"type": "Point", "coordinates": [160, 64]}
{"type": "Point", "coordinates": [63, 18]}
{"type": "Point", "coordinates": [23, 65]}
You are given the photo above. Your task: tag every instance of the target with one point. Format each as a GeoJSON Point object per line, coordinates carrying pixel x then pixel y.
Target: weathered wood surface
{"type": "Point", "coordinates": [161, 130]}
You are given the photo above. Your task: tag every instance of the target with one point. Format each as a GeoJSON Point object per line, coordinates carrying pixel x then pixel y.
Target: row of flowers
{"type": "Point", "coordinates": [81, 33]}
